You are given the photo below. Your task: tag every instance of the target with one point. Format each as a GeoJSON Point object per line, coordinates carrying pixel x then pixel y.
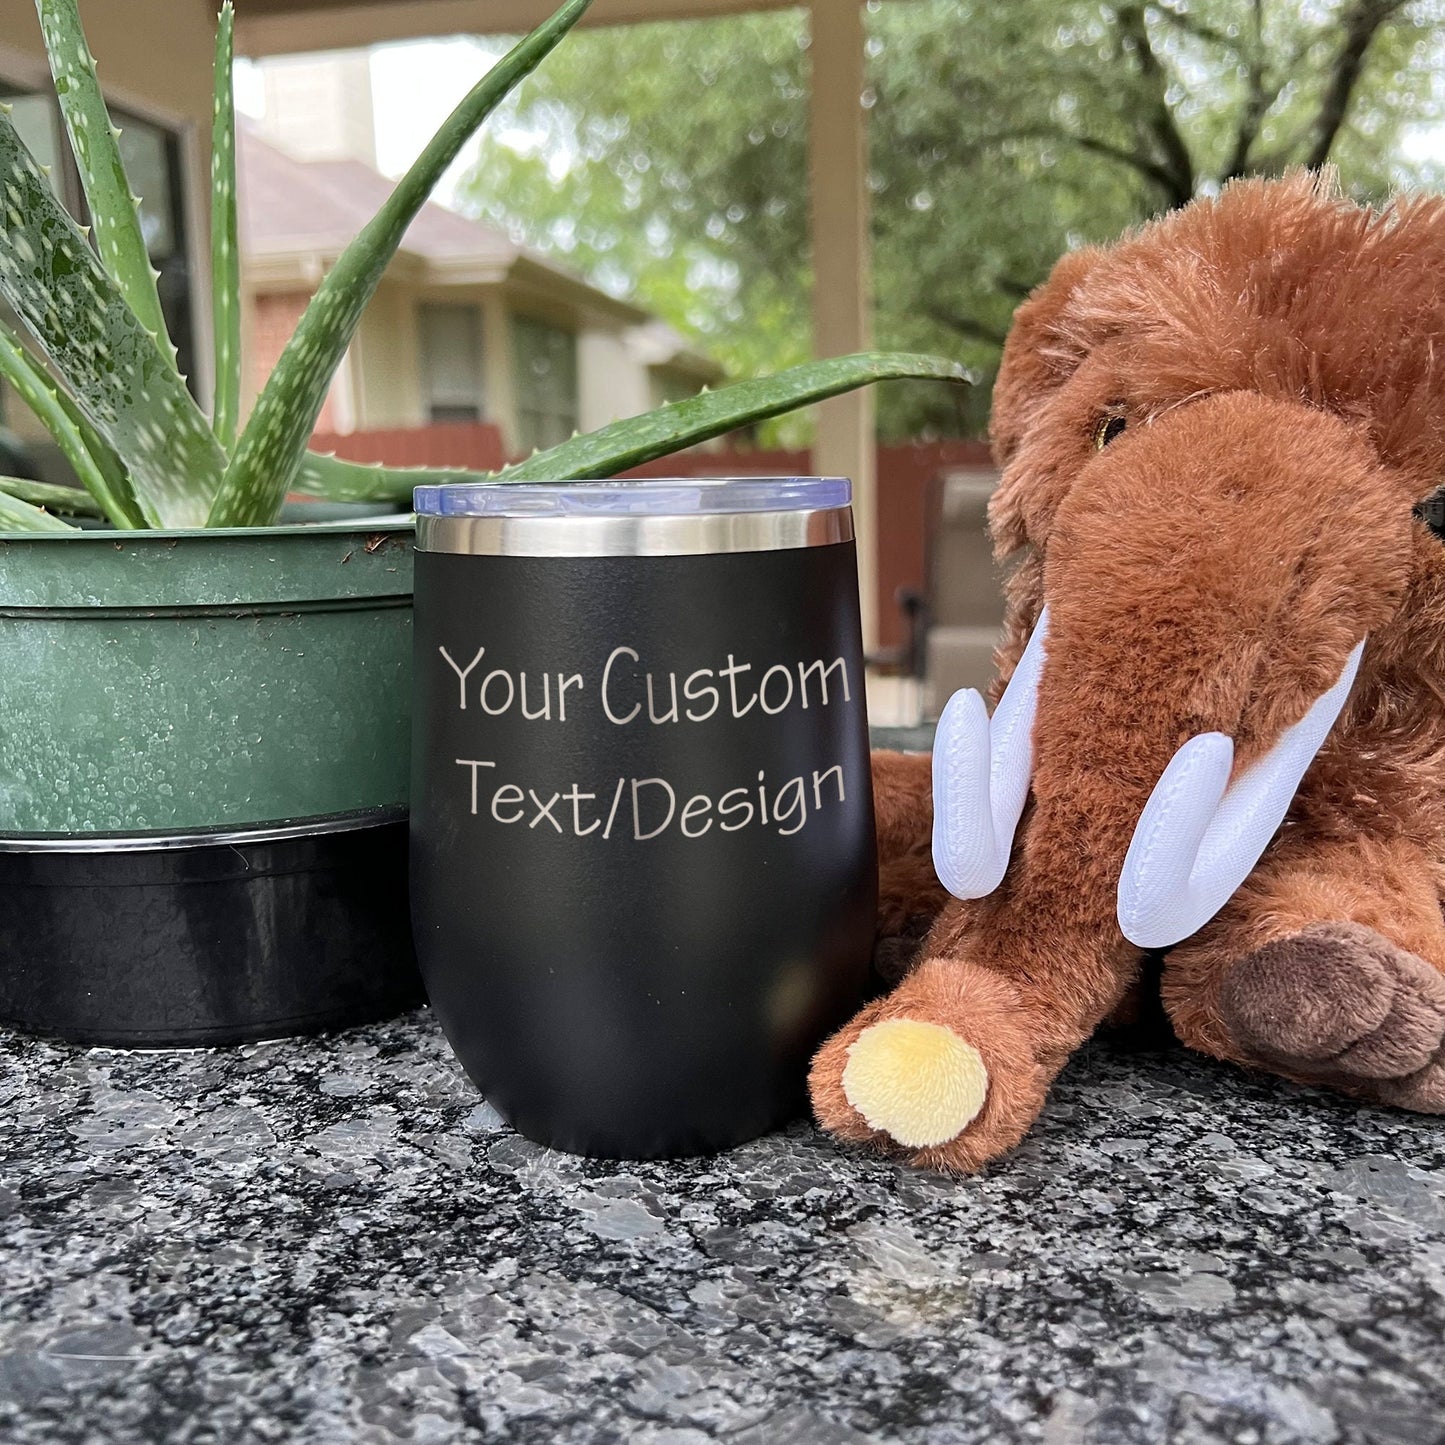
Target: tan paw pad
{"type": "Point", "coordinates": [917, 1082]}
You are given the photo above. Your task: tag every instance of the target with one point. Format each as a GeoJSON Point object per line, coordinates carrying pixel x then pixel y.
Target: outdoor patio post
{"type": "Point", "coordinates": [842, 282]}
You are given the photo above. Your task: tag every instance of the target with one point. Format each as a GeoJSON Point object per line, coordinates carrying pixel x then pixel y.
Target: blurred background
{"type": "Point", "coordinates": [691, 191]}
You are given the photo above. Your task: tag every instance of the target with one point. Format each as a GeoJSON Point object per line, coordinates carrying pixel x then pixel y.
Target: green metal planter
{"type": "Point", "coordinates": [153, 680]}
{"type": "Point", "coordinates": [204, 750]}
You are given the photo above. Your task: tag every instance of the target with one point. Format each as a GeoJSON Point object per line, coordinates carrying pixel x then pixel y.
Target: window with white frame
{"type": "Point", "coordinates": [451, 361]}
{"type": "Point", "coordinates": [546, 382]}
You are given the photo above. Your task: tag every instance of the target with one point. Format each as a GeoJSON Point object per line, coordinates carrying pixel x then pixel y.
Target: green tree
{"type": "Point", "coordinates": [668, 162]}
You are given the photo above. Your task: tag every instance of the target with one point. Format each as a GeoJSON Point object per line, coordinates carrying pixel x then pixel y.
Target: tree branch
{"type": "Point", "coordinates": [1147, 167]}
{"type": "Point", "coordinates": [1136, 160]}
{"type": "Point", "coordinates": [1362, 25]}
{"type": "Point", "coordinates": [1286, 153]}
{"type": "Point", "coordinates": [1175, 161]}
{"type": "Point", "coordinates": [968, 326]}
{"type": "Point", "coordinates": [1243, 161]}
{"type": "Point", "coordinates": [1257, 99]}
{"type": "Point", "coordinates": [1193, 25]}
{"type": "Point", "coordinates": [1014, 287]}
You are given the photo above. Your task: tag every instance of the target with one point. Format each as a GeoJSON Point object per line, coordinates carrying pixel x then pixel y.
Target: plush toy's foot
{"type": "Point", "coordinates": [918, 1083]}
{"type": "Point", "coordinates": [940, 1071]}
{"type": "Point", "coordinates": [1340, 1004]}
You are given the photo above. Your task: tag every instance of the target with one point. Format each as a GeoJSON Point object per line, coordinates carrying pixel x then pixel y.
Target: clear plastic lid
{"type": "Point", "coordinates": [650, 497]}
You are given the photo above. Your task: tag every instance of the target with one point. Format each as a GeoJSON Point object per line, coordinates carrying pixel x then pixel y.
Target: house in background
{"type": "Point", "coordinates": [466, 326]}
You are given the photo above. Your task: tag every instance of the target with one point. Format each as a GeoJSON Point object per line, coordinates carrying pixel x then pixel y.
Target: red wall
{"type": "Point", "coordinates": [471, 444]}
{"type": "Point", "coordinates": [904, 474]}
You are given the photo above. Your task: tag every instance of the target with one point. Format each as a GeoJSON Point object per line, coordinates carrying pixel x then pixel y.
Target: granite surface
{"type": "Point", "coordinates": [336, 1240]}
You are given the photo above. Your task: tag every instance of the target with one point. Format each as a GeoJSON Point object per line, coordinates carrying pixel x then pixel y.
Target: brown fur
{"type": "Point", "coordinates": [1279, 357]}
{"type": "Point", "coordinates": [908, 888]}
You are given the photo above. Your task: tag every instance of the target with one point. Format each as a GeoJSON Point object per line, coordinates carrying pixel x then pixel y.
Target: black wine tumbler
{"type": "Point", "coordinates": [643, 866]}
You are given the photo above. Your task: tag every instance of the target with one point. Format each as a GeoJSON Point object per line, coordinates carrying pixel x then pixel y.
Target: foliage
{"type": "Point", "coordinates": [115, 403]}
{"type": "Point", "coordinates": [669, 162]}
{"type": "Point", "coordinates": [680, 179]}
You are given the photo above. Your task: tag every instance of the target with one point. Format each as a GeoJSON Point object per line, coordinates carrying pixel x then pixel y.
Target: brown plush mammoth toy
{"type": "Point", "coordinates": [1214, 438]}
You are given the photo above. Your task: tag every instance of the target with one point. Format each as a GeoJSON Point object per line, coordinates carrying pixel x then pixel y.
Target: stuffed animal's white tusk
{"type": "Point", "coordinates": [1199, 835]}
{"type": "Point", "coordinates": [981, 772]}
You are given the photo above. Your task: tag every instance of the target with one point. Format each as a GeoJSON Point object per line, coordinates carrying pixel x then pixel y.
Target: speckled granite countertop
{"type": "Point", "coordinates": [336, 1240]}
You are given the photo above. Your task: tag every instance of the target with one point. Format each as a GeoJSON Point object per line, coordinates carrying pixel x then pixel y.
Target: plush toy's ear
{"type": "Point", "coordinates": [1034, 360]}
{"type": "Point", "coordinates": [1037, 358]}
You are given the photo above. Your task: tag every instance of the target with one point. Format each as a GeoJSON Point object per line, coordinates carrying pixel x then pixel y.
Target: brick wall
{"type": "Point", "coordinates": [273, 320]}
{"type": "Point", "coordinates": [474, 445]}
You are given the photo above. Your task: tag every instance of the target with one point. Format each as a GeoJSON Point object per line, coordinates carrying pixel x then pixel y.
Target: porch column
{"type": "Point", "coordinates": [842, 281]}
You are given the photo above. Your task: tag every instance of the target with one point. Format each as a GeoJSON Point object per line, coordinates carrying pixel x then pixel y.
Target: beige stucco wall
{"type": "Point", "coordinates": [154, 59]}
{"type": "Point", "coordinates": [319, 108]}
{"type": "Point", "coordinates": [385, 375]}
{"type": "Point", "coordinates": [498, 368]}
{"type": "Point", "coordinates": [611, 381]}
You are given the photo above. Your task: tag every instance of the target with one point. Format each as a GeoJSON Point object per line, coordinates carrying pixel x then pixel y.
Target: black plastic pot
{"type": "Point", "coordinates": [207, 937]}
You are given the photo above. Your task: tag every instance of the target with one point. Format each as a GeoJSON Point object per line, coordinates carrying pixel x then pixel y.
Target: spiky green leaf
{"type": "Point", "coordinates": [338, 480]}
{"type": "Point", "coordinates": [70, 500]}
{"type": "Point", "coordinates": [637, 439]}
{"type": "Point", "coordinates": [18, 516]}
{"type": "Point", "coordinates": [114, 207]}
{"type": "Point", "coordinates": [107, 462]}
{"type": "Point", "coordinates": [269, 452]}
{"type": "Point", "coordinates": [225, 249]}
{"type": "Point", "coordinates": [117, 376]}
{"type": "Point", "coordinates": [634, 440]}
{"type": "Point", "coordinates": [93, 462]}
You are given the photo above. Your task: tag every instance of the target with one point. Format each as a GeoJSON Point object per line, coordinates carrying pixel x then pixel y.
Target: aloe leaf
{"type": "Point", "coordinates": [269, 452]}
{"type": "Point", "coordinates": [128, 515]}
{"type": "Point", "coordinates": [114, 207]}
{"type": "Point", "coordinates": [338, 480]}
{"type": "Point", "coordinates": [93, 462]}
{"type": "Point", "coordinates": [633, 440]}
{"type": "Point", "coordinates": [225, 250]}
{"type": "Point", "coordinates": [70, 500]}
{"type": "Point", "coordinates": [637, 439]}
{"type": "Point", "coordinates": [18, 516]}
{"type": "Point", "coordinates": [127, 390]}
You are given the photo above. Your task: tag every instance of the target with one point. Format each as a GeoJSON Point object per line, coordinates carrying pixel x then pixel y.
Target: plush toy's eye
{"type": "Point", "coordinates": [1107, 428]}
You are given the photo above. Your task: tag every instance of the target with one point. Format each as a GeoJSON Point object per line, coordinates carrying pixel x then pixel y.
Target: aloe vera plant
{"type": "Point", "coordinates": [101, 370]}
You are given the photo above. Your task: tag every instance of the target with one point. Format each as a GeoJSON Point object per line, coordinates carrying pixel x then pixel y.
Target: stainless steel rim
{"type": "Point", "coordinates": [640, 536]}
{"type": "Point", "coordinates": [199, 837]}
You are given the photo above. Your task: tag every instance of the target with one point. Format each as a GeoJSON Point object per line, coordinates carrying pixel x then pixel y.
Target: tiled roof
{"type": "Point", "coordinates": [298, 208]}
{"type": "Point", "coordinates": [289, 206]}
